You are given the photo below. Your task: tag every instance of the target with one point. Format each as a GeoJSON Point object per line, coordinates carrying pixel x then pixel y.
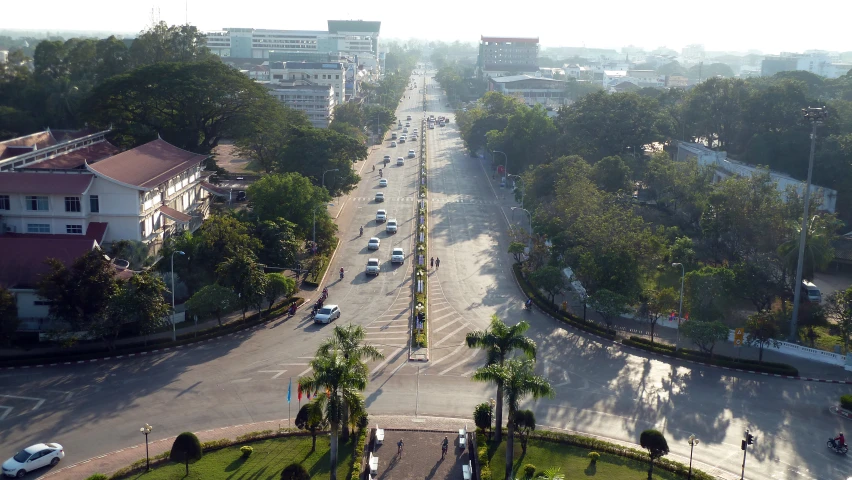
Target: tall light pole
{"type": "Point", "coordinates": [323, 175]}
{"type": "Point", "coordinates": [529, 240]}
{"type": "Point", "coordinates": [174, 334]}
{"type": "Point", "coordinates": [816, 117]}
{"type": "Point", "coordinates": [692, 443]}
{"type": "Point", "coordinates": [146, 430]}
{"type": "Point", "coordinates": [523, 189]}
{"type": "Point", "coordinates": [505, 163]}
{"type": "Point", "coordinates": [680, 307]}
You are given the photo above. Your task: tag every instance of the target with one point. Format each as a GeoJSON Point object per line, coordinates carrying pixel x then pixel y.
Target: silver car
{"type": "Point", "coordinates": [327, 314]}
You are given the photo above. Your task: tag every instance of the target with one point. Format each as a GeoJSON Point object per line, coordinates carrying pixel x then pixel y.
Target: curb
{"type": "Point", "coordinates": [840, 411]}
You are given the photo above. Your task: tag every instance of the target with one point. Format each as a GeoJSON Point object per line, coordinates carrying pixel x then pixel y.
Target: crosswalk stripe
{"type": "Point", "coordinates": [445, 325]}
{"type": "Point", "coordinates": [460, 362]}
{"type": "Point", "coordinates": [450, 335]}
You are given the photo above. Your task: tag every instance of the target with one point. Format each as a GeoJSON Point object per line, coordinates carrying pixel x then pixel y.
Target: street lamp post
{"type": "Point", "coordinates": [692, 443]}
{"type": "Point", "coordinates": [680, 306]}
{"type": "Point", "coordinates": [174, 333]}
{"type": "Point", "coordinates": [323, 175]}
{"type": "Point", "coordinates": [146, 430]}
{"type": "Point", "coordinates": [529, 240]}
{"type": "Point", "coordinates": [816, 117]}
{"type": "Point", "coordinates": [505, 163]}
{"type": "Point", "coordinates": [523, 187]}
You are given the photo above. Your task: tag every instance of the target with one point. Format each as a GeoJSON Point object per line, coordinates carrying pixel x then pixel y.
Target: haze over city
{"type": "Point", "coordinates": [726, 25]}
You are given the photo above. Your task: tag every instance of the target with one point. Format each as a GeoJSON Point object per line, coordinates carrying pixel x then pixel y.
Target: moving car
{"type": "Point", "coordinates": [811, 292]}
{"type": "Point", "coordinates": [383, 182]}
{"type": "Point", "coordinates": [393, 144]}
{"type": "Point", "coordinates": [398, 255]}
{"type": "Point", "coordinates": [400, 161]}
{"type": "Point", "coordinates": [386, 158]}
{"type": "Point", "coordinates": [408, 117]}
{"type": "Point", "coordinates": [407, 124]}
{"type": "Point", "coordinates": [391, 226]}
{"type": "Point", "coordinates": [327, 314]}
{"type": "Point", "coordinates": [374, 243]}
{"type": "Point", "coordinates": [404, 130]}
{"type": "Point", "coordinates": [380, 197]}
{"type": "Point", "coordinates": [373, 267]}
{"type": "Point", "coordinates": [393, 136]}
{"type": "Point", "coordinates": [402, 139]}
{"type": "Point", "coordinates": [32, 458]}
{"type": "Point", "coordinates": [241, 196]}
{"type": "Point", "coordinates": [411, 154]}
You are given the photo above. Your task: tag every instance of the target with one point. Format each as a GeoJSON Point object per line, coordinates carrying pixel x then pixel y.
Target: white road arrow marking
{"type": "Point", "coordinates": [38, 401]}
{"type": "Point", "coordinates": [7, 411]}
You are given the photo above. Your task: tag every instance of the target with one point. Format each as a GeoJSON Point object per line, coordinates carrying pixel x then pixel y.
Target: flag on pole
{"type": "Point", "coordinates": [299, 394]}
{"type": "Point", "coordinates": [289, 388]}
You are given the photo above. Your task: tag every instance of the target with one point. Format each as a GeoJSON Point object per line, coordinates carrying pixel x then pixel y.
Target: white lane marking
{"type": "Point", "coordinates": [467, 359]}
{"type": "Point", "coordinates": [277, 373]}
{"type": "Point", "coordinates": [309, 370]}
{"type": "Point", "coordinates": [445, 325]}
{"type": "Point", "coordinates": [449, 335]}
{"type": "Point", "coordinates": [39, 401]}
{"type": "Point", "coordinates": [387, 360]}
{"type": "Point", "coordinates": [5, 413]}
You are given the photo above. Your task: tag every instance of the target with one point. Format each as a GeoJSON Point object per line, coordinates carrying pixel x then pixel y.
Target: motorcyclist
{"type": "Point", "coordinates": [528, 303]}
{"type": "Point", "coordinates": [325, 292]}
{"type": "Point", "coordinates": [840, 441]}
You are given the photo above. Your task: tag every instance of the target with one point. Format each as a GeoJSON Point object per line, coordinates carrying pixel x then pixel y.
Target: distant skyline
{"type": "Point", "coordinates": [726, 25]}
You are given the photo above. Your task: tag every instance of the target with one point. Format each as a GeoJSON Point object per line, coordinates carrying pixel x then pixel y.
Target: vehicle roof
{"type": "Point", "coordinates": [375, 238]}
{"type": "Point", "coordinates": [381, 210]}
{"type": "Point", "coordinates": [329, 306]}
{"type": "Point", "coordinates": [398, 249]}
{"type": "Point", "coordinates": [39, 447]}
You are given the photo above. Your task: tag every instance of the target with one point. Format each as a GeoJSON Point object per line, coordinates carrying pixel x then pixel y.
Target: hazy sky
{"type": "Point", "coordinates": [736, 25]}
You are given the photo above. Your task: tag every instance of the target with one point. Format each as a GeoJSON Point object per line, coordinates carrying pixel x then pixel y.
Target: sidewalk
{"type": "Point", "coordinates": [112, 461]}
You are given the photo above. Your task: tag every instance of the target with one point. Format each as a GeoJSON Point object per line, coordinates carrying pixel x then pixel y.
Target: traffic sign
{"type": "Point", "coordinates": [739, 333]}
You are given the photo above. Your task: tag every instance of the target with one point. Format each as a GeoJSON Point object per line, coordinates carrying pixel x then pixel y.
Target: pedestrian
{"type": "Point", "coordinates": [565, 306]}
{"type": "Point", "coordinates": [437, 263]}
{"type": "Point", "coordinates": [432, 262]}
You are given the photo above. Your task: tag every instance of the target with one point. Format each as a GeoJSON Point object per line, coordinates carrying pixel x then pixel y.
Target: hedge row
{"type": "Point", "coordinates": [421, 338]}
{"type": "Point", "coordinates": [138, 347]}
{"type": "Point", "coordinates": [314, 278]}
{"type": "Point", "coordinates": [358, 454]}
{"type": "Point", "coordinates": [715, 359]}
{"type": "Point", "coordinates": [547, 307]}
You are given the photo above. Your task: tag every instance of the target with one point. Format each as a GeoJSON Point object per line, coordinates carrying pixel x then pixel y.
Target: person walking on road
{"type": "Point", "coordinates": [399, 447]}
{"type": "Point", "coordinates": [444, 446]}
{"type": "Point", "coordinates": [437, 263]}
{"type": "Point", "coordinates": [432, 262]}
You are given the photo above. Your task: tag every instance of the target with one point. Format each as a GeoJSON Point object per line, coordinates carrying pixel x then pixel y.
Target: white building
{"type": "Point", "coordinates": [313, 73]}
{"type": "Point", "coordinates": [725, 167]}
{"type": "Point", "coordinates": [316, 101]}
{"type": "Point", "coordinates": [531, 90]}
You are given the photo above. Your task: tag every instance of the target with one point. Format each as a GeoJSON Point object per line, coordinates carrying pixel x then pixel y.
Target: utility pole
{"type": "Point", "coordinates": [816, 116]}
{"type": "Point", "coordinates": [748, 440]}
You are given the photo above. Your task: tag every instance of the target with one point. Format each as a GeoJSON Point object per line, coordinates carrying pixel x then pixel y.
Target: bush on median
{"type": "Point", "coordinates": [846, 402]}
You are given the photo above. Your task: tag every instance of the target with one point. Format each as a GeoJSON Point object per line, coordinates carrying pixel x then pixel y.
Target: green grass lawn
{"type": "Point", "coordinates": [573, 461]}
{"type": "Point", "coordinates": [266, 462]}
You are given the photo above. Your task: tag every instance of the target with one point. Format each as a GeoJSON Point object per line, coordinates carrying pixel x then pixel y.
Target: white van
{"type": "Point", "coordinates": [811, 292]}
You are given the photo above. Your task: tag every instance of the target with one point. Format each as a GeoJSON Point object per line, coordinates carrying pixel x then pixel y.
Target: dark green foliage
{"type": "Point", "coordinates": [846, 402]}
{"type": "Point", "coordinates": [185, 449]}
{"type": "Point", "coordinates": [653, 441]}
{"type": "Point", "coordinates": [295, 471]}
{"type": "Point", "coordinates": [8, 315]}
{"type": "Point", "coordinates": [482, 415]}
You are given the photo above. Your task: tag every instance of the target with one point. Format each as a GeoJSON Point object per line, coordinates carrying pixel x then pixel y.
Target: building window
{"type": "Point", "coordinates": [94, 204]}
{"type": "Point", "coordinates": [38, 228]}
{"type": "Point", "coordinates": [74, 229]}
{"type": "Point", "coordinates": [35, 203]}
{"type": "Point", "coordinates": [337, 77]}
{"type": "Point", "coordinates": [315, 76]}
{"type": "Point", "coordinates": [72, 204]}
{"type": "Point", "coordinates": [4, 202]}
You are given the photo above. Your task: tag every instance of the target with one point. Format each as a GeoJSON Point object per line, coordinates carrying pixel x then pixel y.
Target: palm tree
{"type": "Point", "coordinates": [819, 251]}
{"type": "Point", "coordinates": [342, 379]}
{"type": "Point", "coordinates": [347, 340]}
{"type": "Point", "coordinates": [498, 341]}
{"type": "Point", "coordinates": [519, 380]}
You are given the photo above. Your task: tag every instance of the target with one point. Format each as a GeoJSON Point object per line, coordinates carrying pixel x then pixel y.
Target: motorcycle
{"type": "Point", "coordinates": [292, 310]}
{"type": "Point", "coordinates": [528, 306]}
{"type": "Point", "coordinates": [832, 445]}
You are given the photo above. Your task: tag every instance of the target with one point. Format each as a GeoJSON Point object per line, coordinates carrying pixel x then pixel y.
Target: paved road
{"type": "Point", "coordinates": [601, 388]}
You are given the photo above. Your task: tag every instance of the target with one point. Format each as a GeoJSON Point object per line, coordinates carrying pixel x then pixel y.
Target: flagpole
{"type": "Point", "coordinates": [289, 388]}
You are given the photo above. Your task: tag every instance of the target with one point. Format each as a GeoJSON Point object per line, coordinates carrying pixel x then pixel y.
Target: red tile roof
{"type": "Point", "coordinates": [23, 260]}
{"type": "Point", "coordinates": [148, 165]}
{"type": "Point", "coordinates": [174, 214]}
{"type": "Point", "coordinates": [38, 140]}
{"type": "Point", "coordinates": [97, 231]}
{"type": "Point", "coordinates": [45, 183]}
{"type": "Point", "coordinates": [77, 158]}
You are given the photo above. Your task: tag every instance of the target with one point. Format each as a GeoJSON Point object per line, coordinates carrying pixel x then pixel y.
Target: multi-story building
{"type": "Point", "coordinates": [507, 54]}
{"type": "Point", "coordinates": [316, 101]}
{"type": "Point", "coordinates": [313, 73]}
{"type": "Point", "coordinates": [819, 63]}
{"type": "Point", "coordinates": [531, 90]}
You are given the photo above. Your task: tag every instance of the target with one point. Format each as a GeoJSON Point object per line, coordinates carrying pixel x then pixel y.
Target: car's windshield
{"type": "Point", "coordinates": [325, 311]}
{"type": "Point", "coordinates": [373, 263]}
{"type": "Point", "coordinates": [22, 456]}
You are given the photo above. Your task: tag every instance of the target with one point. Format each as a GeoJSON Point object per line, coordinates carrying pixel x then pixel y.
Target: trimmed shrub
{"type": "Point", "coordinates": [317, 271]}
{"type": "Point", "coordinates": [186, 449]}
{"type": "Point", "coordinates": [358, 454]}
{"type": "Point", "coordinates": [846, 402]}
{"type": "Point", "coordinates": [246, 451]}
{"type": "Point", "coordinates": [97, 476]}
{"type": "Point", "coordinates": [485, 473]}
{"type": "Point", "coordinates": [529, 470]}
{"type": "Point", "coordinates": [295, 471]}
{"type": "Point", "coordinates": [594, 456]}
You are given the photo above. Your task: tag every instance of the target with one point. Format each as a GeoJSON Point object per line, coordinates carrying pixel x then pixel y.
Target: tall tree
{"type": "Point", "coordinates": [658, 303]}
{"type": "Point", "coordinates": [141, 301]}
{"type": "Point", "coordinates": [550, 279]}
{"type": "Point", "coordinates": [498, 341]}
{"type": "Point", "coordinates": [311, 420]}
{"type": "Point", "coordinates": [524, 425]}
{"type": "Point", "coordinates": [612, 174]}
{"type": "Point", "coordinates": [169, 43]}
{"type": "Point", "coordinates": [8, 316]}
{"type": "Point", "coordinates": [242, 273]}
{"type": "Point", "coordinates": [313, 151]}
{"type": "Point", "coordinates": [278, 285]}
{"type": "Point", "coordinates": [838, 307]}
{"type": "Point", "coordinates": [290, 196]}
{"type": "Point", "coordinates": [762, 330]}
{"type": "Point", "coordinates": [266, 142]}
{"type": "Point", "coordinates": [519, 381]}
{"type": "Point", "coordinates": [608, 304]}
{"type": "Point", "coordinates": [212, 301]}
{"type": "Point", "coordinates": [653, 441]}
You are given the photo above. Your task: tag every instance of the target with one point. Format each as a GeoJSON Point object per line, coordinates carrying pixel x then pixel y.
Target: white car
{"type": "Point", "coordinates": [408, 117]}
{"type": "Point", "coordinates": [415, 130]}
{"type": "Point", "coordinates": [383, 182]}
{"type": "Point", "coordinates": [32, 458]}
{"type": "Point", "coordinates": [407, 124]}
{"type": "Point", "coordinates": [402, 139]}
{"type": "Point", "coordinates": [404, 130]}
{"type": "Point", "coordinates": [411, 154]}
{"type": "Point", "coordinates": [391, 226]}
{"type": "Point", "coordinates": [400, 161]}
{"type": "Point", "coordinates": [386, 158]}
{"type": "Point", "coordinates": [327, 314]}
{"type": "Point", "coordinates": [380, 197]}
{"type": "Point", "coordinates": [398, 255]}
{"type": "Point", "coordinates": [373, 267]}
{"type": "Point", "coordinates": [393, 144]}
{"type": "Point", "coordinates": [381, 216]}
{"type": "Point", "coordinates": [374, 243]}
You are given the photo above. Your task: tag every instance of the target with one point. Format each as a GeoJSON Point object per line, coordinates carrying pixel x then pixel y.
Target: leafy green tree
{"type": "Point", "coordinates": [819, 248]}
{"type": "Point", "coordinates": [705, 334]}
{"type": "Point", "coordinates": [519, 381]}
{"type": "Point", "coordinates": [295, 471]}
{"type": "Point", "coordinates": [242, 273]}
{"type": "Point", "coordinates": [482, 416]}
{"type": "Point", "coordinates": [608, 304]}
{"type": "Point", "coordinates": [838, 307]}
{"type": "Point", "coordinates": [658, 304]}
{"type": "Point", "coordinates": [312, 151]}
{"type": "Point", "coordinates": [524, 425]}
{"type": "Point", "coordinates": [683, 251]}
{"type": "Point", "coordinates": [191, 105]}
{"type": "Point", "coordinates": [8, 315]}
{"type": "Point", "coordinates": [266, 142]}
{"type": "Point", "coordinates": [550, 279]}
{"type": "Point", "coordinates": [576, 90]}
{"type": "Point", "coordinates": [653, 441]}
{"type": "Point", "coordinates": [141, 301]}
{"type": "Point", "coordinates": [290, 196]}
{"type": "Point", "coordinates": [169, 43]}
{"type": "Point", "coordinates": [517, 250]}
{"type": "Point", "coordinates": [762, 330]}
{"type": "Point", "coordinates": [612, 174]}
{"type": "Point", "coordinates": [758, 282]}
{"type": "Point", "coordinates": [713, 111]}
{"type": "Point", "coordinates": [307, 419]}
{"type": "Point", "coordinates": [707, 292]}
{"type": "Point", "coordinates": [342, 379]}
{"type": "Point", "coordinates": [185, 449]}
{"type": "Point", "coordinates": [212, 301]}
{"type": "Point", "coordinates": [498, 341]}
{"type": "Point", "coordinates": [278, 285]}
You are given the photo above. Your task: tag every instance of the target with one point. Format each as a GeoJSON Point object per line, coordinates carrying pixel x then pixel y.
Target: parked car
{"type": "Point", "coordinates": [327, 314]}
{"type": "Point", "coordinates": [398, 255]}
{"type": "Point", "coordinates": [32, 458]}
{"type": "Point", "coordinates": [373, 267]}
{"type": "Point", "coordinates": [374, 243]}
{"type": "Point", "coordinates": [381, 216]}
{"type": "Point", "coordinates": [391, 226]}
{"type": "Point", "coordinates": [380, 197]}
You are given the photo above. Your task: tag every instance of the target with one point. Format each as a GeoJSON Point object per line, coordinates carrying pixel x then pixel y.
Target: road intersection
{"type": "Point", "coordinates": [602, 388]}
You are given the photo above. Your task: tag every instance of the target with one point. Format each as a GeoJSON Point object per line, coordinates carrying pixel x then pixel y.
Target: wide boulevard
{"type": "Point", "coordinates": [601, 388]}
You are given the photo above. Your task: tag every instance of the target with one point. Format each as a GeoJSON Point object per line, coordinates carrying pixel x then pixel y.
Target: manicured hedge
{"type": "Point", "coordinates": [715, 359]}
{"type": "Point", "coordinates": [553, 311]}
{"type": "Point", "coordinates": [358, 454]}
{"type": "Point", "coordinates": [846, 402]}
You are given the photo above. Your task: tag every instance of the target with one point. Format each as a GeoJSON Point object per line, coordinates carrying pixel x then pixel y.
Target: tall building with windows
{"type": "Point", "coordinates": [508, 55]}
{"type": "Point", "coordinates": [316, 101]}
{"type": "Point", "coordinates": [313, 73]}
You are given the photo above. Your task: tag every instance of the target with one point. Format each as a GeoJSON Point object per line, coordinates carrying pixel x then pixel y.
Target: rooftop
{"type": "Point", "coordinates": [362, 26]}
{"type": "Point", "coordinates": [148, 165]}
{"type": "Point", "coordinates": [509, 39]}
{"type": "Point", "coordinates": [78, 158]}
{"type": "Point", "coordinates": [23, 262]}
{"type": "Point", "coordinates": [518, 78]}
{"type": "Point", "coordinates": [45, 183]}
{"type": "Point", "coordinates": [314, 65]}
